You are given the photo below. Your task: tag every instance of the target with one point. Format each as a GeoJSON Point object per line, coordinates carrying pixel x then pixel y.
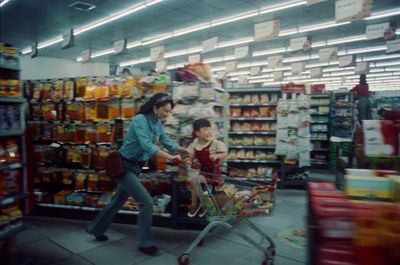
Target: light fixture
{"type": "Point", "coordinates": [105, 52]}
{"type": "Point", "coordinates": [156, 39]}
{"type": "Point", "coordinates": [379, 57]}
{"type": "Point", "coordinates": [235, 42]}
{"type": "Point", "coordinates": [234, 18]}
{"type": "Point", "coordinates": [287, 32]}
{"type": "Point", "coordinates": [347, 40]}
{"type": "Point", "coordinates": [133, 44]}
{"type": "Point", "coordinates": [4, 2]}
{"type": "Point", "coordinates": [50, 42]}
{"type": "Point", "coordinates": [387, 64]}
{"type": "Point", "coordinates": [382, 14]}
{"type": "Point", "coordinates": [190, 29]}
{"type": "Point", "coordinates": [269, 52]}
{"type": "Point", "coordinates": [274, 8]}
{"type": "Point", "coordinates": [330, 24]}
{"type": "Point", "coordinates": [368, 49]}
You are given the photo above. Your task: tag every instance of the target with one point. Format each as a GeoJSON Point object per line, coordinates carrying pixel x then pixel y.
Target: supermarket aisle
{"type": "Point", "coordinates": [62, 242]}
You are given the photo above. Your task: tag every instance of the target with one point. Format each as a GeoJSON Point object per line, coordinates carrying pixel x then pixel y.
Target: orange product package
{"type": "Point", "coordinates": [60, 133]}
{"type": "Point", "coordinates": [129, 87]}
{"type": "Point", "coordinates": [128, 109]}
{"type": "Point", "coordinates": [58, 89]}
{"type": "Point", "coordinates": [69, 92]}
{"type": "Point", "coordinates": [49, 111]}
{"type": "Point", "coordinates": [80, 133]}
{"type": "Point", "coordinates": [86, 157]}
{"type": "Point", "coordinates": [70, 133]}
{"type": "Point", "coordinates": [92, 182]}
{"type": "Point", "coordinates": [115, 87]}
{"type": "Point", "coordinates": [75, 111]}
{"type": "Point", "coordinates": [91, 134]}
{"type": "Point", "coordinates": [47, 90]}
{"type": "Point", "coordinates": [101, 92]}
{"type": "Point", "coordinates": [12, 151]}
{"type": "Point", "coordinates": [115, 109]}
{"type": "Point", "coordinates": [102, 111]}
{"type": "Point", "coordinates": [90, 92]}
{"type": "Point", "coordinates": [13, 88]}
{"type": "Point", "coordinates": [81, 84]}
{"type": "Point", "coordinates": [90, 111]}
{"type": "Point", "coordinates": [37, 90]}
{"type": "Point", "coordinates": [80, 181]}
{"type": "Point", "coordinates": [105, 132]}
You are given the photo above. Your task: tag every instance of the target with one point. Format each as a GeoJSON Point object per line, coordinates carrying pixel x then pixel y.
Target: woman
{"type": "Point", "coordinates": [361, 93]}
{"type": "Point", "coordinates": [140, 144]}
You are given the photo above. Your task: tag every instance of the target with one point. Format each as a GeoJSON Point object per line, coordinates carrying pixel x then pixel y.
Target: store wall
{"type": "Point", "coordinates": [47, 67]}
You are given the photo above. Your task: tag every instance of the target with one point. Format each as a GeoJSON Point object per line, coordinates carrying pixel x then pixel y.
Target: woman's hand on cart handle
{"type": "Point", "coordinates": [177, 159]}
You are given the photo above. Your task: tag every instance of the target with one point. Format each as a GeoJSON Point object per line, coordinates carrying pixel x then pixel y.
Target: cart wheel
{"type": "Point", "coordinates": [183, 259]}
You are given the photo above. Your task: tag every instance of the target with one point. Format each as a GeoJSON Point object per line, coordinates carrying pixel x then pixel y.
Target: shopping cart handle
{"type": "Point", "coordinates": [178, 161]}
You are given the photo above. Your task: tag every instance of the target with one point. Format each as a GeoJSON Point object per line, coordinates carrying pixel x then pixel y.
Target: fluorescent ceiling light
{"type": "Point", "coordinates": [387, 64]}
{"type": "Point", "coordinates": [296, 59]}
{"type": "Point", "coordinates": [133, 44]}
{"type": "Point", "coordinates": [269, 52]}
{"type": "Point", "coordinates": [156, 39]}
{"type": "Point", "coordinates": [330, 24]}
{"type": "Point", "coordinates": [234, 18]}
{"type": "Point", "coordinates": [2, 3]}
{"type": "Point", "coordinates": [347, 40]}
{"type": "Point", "coordinates": [287, 32]}
{"type": "Point", "coordinates": [190, 29]}
{"type": "Point", "coordinates": [105, 52]}
{"type": "Point", "coordinates": [50, 42]}
{"type": "Point", "coordinates": [235, 42]}
{"type": "Point", "coordinates": [368, 49]}
{"type": "Point", "coordinates": [318, 44]}
{"type": "Point", "coordinates": [382, 14]}
{"type": "Point", "coordinates": [379, 57]}
{"type": "Point", "coordinates": [137, 61]}
{"type": "Point", "coordinates": [274, 8]}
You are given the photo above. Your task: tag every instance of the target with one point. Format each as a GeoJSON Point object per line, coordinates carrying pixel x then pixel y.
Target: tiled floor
{"type": "Point", "coordinates": [63, 242]}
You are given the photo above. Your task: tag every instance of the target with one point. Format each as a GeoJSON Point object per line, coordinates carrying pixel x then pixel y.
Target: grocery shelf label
{"type": "Point", "coordinates": [297, 68]}
{"type": "Point", "coordinates": [345, 61]}
{"type": "Point", "coordinates": [120, 46]}
{"type": "Point", "coordinates": [230, 67]}
{"type": "Point", "coordinates": [316, 72]}
{"type": "Point", "coordinates": [266, 30]}
{"type": "Point", "coordinates": [361, 68]}
{"type": "Point", "coordinates": [157, 53]}
{"type": "Point", "coordinates": [255, 71]}
{"type": "Point", "coordinates": [275, 61]}
{"type": "Point", "coordinates": [393, 46]}
{"type": "Point", "coordinates": [209, 45]}
{"type": "Point", "coordinates": [241, 52]}
{"type": "Point", "coordinates": [195, 58]}
{"type": "Point", "coordinates": [302, 43]}
{"type": "Point", "coordinates": [161, 66]}
{"type": "Point", "coordinates": [312, 2]}
{"type": "Point", "coordinates": [278, 76]}
{"type": "Point", "coordinates": [348, 10]}
{"type": "Point", "coordinates": [376, 31]}
{"type": "Point", "coordinates": [328, 54]}
{"type": "Point", "coordinates": [86, 55]}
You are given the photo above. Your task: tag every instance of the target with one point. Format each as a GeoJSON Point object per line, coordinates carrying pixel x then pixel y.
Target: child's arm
{"type": "Point", "coordinates": [220, 151]}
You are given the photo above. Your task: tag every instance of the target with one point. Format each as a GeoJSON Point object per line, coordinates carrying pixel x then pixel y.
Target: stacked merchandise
{"type": "Point", "coordinates": [252, 133]}
{"type": "Point", "coordinates": [12, 153]}
{"type": "Point", "coordinates": [293, 136]}
{"type": "Point", "coordinates": [74, 125]}
{"type": "Point", "coordinates": [387, 100]}
{"type": "Point", "coordinates": [319, 127]}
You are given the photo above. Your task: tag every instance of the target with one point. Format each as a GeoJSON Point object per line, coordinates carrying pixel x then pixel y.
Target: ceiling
{"type": "Point", "coordinates": [26, 21]}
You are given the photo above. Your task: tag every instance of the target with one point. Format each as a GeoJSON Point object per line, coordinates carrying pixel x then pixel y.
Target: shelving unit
{"type": "Point", "coordinates": [320, 108]}
{"type": "Point", "coordinates": [252, 118]}
{"type": "Point", "coordinates": [13, 171]}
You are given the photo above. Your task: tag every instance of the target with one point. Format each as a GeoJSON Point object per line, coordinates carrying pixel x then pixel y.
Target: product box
{"type": "Point", "coordinates": [357, 172]}
{"type": "Point", "coordinates": [381, 138]}
{"type": "Point", "coordinates": [369, 187]}
{"type": "Point", "coordinates": [395, 183]}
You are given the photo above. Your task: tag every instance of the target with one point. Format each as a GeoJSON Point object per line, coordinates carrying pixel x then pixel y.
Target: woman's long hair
{"type": "Point", "coordinates": [158, 100]}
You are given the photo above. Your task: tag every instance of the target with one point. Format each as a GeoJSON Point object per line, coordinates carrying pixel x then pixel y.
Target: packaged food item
{"type": "Point", "coordinates": [246, 126]}
{"type": "Point", "coordinates": [102, 111]}
{"type": "Point", "coordinates": [47, 91]}
{"type": "Point", "coordinates": [37, 91]}
{"type": "Point", "coordinates": [86, 157]}
{"type": "Point", "coordinates": [90, 111]}
{"type": "Point", "coordinates": [255, 99]}
{"type": "Point", "coordinates": [69, 92]}
{"type": "Point", "coordinates": [47, 132]}
{"type": "Point", "coordinates": [250, 155]}
{"type": "Point", "coordinates": [3, 156]}
{"type": "Point", "coordinates": [255, 112]}
{"type": "Point", "coordinates": [264, 111]}
{"type": "Point", "coordinates": [75, 111]}
{"type": "Point", "coordinates": [235, 112]}
{"type": "Point", "coordinates": [115, 110]}
{"type": "Point", "coordinates": [101, 92]}
{"type": "Point", "coordinates": [36, 111]}
{"type": "Point", "coordinates": [90, 92]}
{"type": "Point", "coordinates": [246, 98]}
{"type": "Point", "coordinates": [241, 154]}
{"type": "Point", "coordinates": [81, 84]}
{"type": "Point", "coordinates": [3, 87]}
{"type": "Point", "coordinates": [100, 158]}
{"type": "Point", "coordinates": [12, 151]}
{"type": "Point", "coordinates": [264, 98]}
{"type": "Point", "coordinates": [274, 98]}
{"type": "Point", "coordinates": [91, 134]}
{"type": "Point", "coordinates": [248, 140]}
{"type": "Point", "coordinates": [129, 88]}
{"type": "Point", "coordinates": [265, 126]}
{"type": "Point", "coordinates": [232, 155]}
{"type": "Point", "coordinates": [105, 183]}
{"type": "Point", "coordinates": [260, 155]}
{"type": "Point", "coordinates": [49, 111]}
{"type": "Point", "coordinates": [247, 113]}
{"type": "Point", "coordinates": [60, 136]}
{"type": "Point", "coordinates": [92, 182]}
{"type": "Point", "coordinates": [80, 181]}
{"type": "Point", "coordinates": [12, 88]}
{"type": "Point", "coordinates": [80, 133]}
{"type": "Point", "coordinates": [58, 89]}
{"type": "Point", "coordinates": [105, 132]}
{"type": "Point", "coordinates": [236, 126]}
{"type": "Point", "coordinates": [128, 109]}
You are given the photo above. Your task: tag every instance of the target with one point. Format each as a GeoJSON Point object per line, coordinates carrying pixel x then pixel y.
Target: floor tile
{"type": "Point", "coordinates": [72, 260]}
{"type": "Point", "coordinates": [44, 251]}
{"type": "Point", "coordinates": [120, 252]}
{"type": "Point", "coordinates": [28, 236]}
{"type": "Point", "coordinates": [79, 241]}
{"type": "Point", "coordinates": [164, 259]}
{"type": "Point", "coordinates": [285, 261]}
{"type": "Point", "coordinates": [54, 227]}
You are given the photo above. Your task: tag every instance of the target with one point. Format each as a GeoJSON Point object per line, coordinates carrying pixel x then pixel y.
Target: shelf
{"type": "Point", "coordinates": [254, 161]}
{"type": "Point", "coordinates": [319, 95]}
{"type": "Point", "coordinates": [218, 89]}
{"type": "Point", "coordinates": [254, 133]}
{"type": "Point", "coordinates": [320, 150]}
{"type": "Point", "coordinates": [249, 179]}
{"type": "Point", "coordinates": [253, 89]}
{"type": "Point", "coordinates": [12, 230]}
{"type": "Point", "coordinates": [10, 166]}
{"type": "Point", "coordinates": [13, 133]}
{"type": "Point", "coordinates": [12, 100]}
{"type": "Point", "coordinates": [319, 105]}
{"type": "Point", "coordinates": [253, 119]}
{"type": "Point", "coordinates": [319, 122]}
{"type": "Point", "coordinates": [316, 131]}
{"type": "Point", "coordinates": [314, 139]}
{"type": "Point", "coordinates": [253, 104]}
{"type": "Point", "coordinates": [320, 114]}
{"type": "Point", "coordinates": [253, 146]}
{"type": "Point", "coordinates": [10, 66]}
{"type": "Point", "coordinates": [322, 163]}
{"type": "Point", "coordinates": [93, 209]}
{"type": "Point", "coordinates": [12, 199]}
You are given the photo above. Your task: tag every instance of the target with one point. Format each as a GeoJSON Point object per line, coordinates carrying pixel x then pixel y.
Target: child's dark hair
{"type": "Point", "coordinates": [158, 100]}
{"type": "Point", "coordinates": [201, 123]}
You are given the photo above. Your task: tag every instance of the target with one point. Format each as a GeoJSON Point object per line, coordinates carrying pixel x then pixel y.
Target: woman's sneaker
{"type": "Point", "coordinates": [193, 211]}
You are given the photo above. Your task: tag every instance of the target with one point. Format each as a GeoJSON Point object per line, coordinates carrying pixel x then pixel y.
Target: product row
{"type": "Point", "coordinates": [9, 151]}
{"type": "Point", "coordinates": [236, 112]}
{"type": "Point", "coordinates": [78, 133]}
{"type": "Point", "coordinates": [10, 183]}
{"type": "Point", "coordinates": [251, 155]}
{"type": "Point", "coordinates": [254, 172]}
{"type": "Point", "coordinates": [251, 141]}
{"type": "Point", "coordinates": [10, 118]}
{"type": "Point", "coordinates": [253, 126]}
{"type": "Point", "coordinates": [10, 218]}
{"type": "Point", "coordinates": [83, 111]}
{"type": "Point", "coordinates": [95, 88]}
{"type": "Point", "coordinates": [9, 88]}
{"type": "Point", "coordinates": [254, 98]}
{"type": "Point", "coordinates": [320, 101]}
{"type": "Point", "coordinates": [8, 55]}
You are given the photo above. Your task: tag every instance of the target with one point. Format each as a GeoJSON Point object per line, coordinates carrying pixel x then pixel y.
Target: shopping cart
{"type": "Point", "coordinates": [260, 201]}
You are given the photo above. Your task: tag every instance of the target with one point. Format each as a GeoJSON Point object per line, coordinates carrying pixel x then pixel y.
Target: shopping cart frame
{"type": "Point", "coordinates": [269, 251]}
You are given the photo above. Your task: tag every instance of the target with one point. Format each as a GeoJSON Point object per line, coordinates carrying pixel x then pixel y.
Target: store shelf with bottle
{"type": "Point", "coordinates": [251, 137]}
{"type": "Point", "coordinates": [341, 115]}
{"type": "Point", "coordinates": [13, 172]}
{"type": "Point", "coordinates": [320, 105]}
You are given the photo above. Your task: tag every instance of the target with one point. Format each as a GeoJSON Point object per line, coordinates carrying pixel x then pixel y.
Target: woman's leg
{"type": "Point", "coordinates": [103, 220]}
{"type": "Point", "coordinates": [133, 187]}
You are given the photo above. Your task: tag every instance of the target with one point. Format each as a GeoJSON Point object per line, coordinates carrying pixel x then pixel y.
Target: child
{"type": "Point", "coordinates": [207, 153]}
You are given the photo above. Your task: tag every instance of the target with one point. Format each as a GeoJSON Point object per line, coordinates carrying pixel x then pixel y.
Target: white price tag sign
{"type": "Point", "coordinates": [195, 58]}
{"type": "Point", "coordinates": [361, 68]}
{"type": "Point", "coordinates": [278, 76]}
{"type": "Point", "coordinates": [275, 61]}
{"type": "Point", "coordinates": [241, 52]}
{"type": "Point", "coordinates": [296, 44]}
{"type": "Point", "coordinates": [161, 66]}
{"type": "Point", "coordinates": [347, 10]}
{"type": "Point", "coordinates": [255, 71]}
{"type": "Point", "coordinates": [393, 46]}
{"type": "Point", "coordinates": [328, 54]}
{"type": "Point", "coordinates": [376, 31]}
{"type": "Point", "coordinates": [157, 53]}
{"type": "Point", "coordinates": [297, 68]}
{"type": "Point", "coordinates": [230, 67]}
{"type": "Point", "coordinates": [312, 2]}
{"type": "Point", "coordinates": [86, 55]}
{"type": "Point", "coordinates": [68, 39]}
{"type": "Point", "coordinates": [220, 74]}
{"type": "Point", "coordinates": [345, 61]}
{"type": "Point", "coordinates": [316, 72]}
{"type": "Point", "coordinates": [266, 30]}
{"type": "Point", "coordinates": [243, 79]}
{"type": "Point", "coordinates": [210, 45]}
{"type": "Point", "coordinates": [119, 46]}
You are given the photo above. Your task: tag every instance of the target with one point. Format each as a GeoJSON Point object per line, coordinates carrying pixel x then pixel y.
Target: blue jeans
{"type": "Point", "coordinates": [128, 185]}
